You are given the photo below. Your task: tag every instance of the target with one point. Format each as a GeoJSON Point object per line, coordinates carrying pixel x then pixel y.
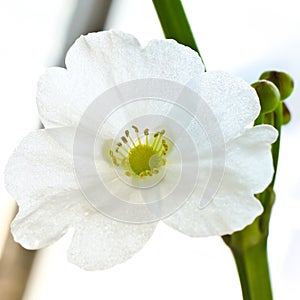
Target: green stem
{"type": "Point", "coordinates": [252, 265]}
{"type": "Point", "coordinates": [175, 23]}
{"type": "Point", "coordinates": [278, 114]}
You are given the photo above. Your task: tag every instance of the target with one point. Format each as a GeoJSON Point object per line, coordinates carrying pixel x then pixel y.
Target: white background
{"type": "Point", "coordinates": [241, 37]}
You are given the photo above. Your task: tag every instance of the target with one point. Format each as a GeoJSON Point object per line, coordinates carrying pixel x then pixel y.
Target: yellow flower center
{"type": "Point", "coordinates": [143, 156]}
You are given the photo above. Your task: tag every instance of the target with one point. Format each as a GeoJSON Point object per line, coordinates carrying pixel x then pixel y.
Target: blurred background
{"type": "Point", "coordinates": [242, 37]}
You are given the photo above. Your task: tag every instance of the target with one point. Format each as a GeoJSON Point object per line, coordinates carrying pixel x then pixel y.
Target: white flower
{"type": "Point", "coordinates": [190, 158]}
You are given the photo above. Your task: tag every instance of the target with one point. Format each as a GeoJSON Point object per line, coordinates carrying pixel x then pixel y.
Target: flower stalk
{"type": "Point", "coordinates": [175, 24]}
{"type": "Point", "coordinates": [249, 249]}
{"type": "Point", "coordinates": [252, 265]}
{"type": "Point", "coordinates": [278, 119]}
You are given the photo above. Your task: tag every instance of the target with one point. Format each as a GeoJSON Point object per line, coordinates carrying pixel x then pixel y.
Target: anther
{"type": "Point", "coordinates": [135, 128]}
{"type": "Point", "coordinates": [124, 140]}
{"type": "Point", "coordinates": [155, 171]}
{"type": "Point", "coordinates": [115, 161]}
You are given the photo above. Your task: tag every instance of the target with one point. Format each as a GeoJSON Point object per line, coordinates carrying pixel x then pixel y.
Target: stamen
{"type": "Point", "coordinates": [128, 135]}
{"type": "Point", "coordinates": [119, 151]}
{"type": "Point", "coordinates": [137, 133]}
{"type": "Point", "coordinates": [146, 132]}
{"type": "Point", "coordinates": [115, 161]}
{"type": "Point", "coordinates": [155, 139]}
{"type": "Point", "coordinates": [148, 173]}
{"type": "Point", "coordinates": [160, 134]}
{"type": "Point", "coordinates": [163, 147]}
{"type": "Point", "coordinates": [155, 171]}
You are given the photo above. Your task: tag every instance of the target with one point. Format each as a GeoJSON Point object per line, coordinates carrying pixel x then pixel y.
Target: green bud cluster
{"type": "Point", "coordinates": [272, 88]}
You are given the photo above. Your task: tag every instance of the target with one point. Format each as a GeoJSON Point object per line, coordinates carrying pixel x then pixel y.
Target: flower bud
{"type": "Point", "coordinates": [283, 81]}
{"type": "Point", "coordinates": [286, 115]}
{"type": "Point", "coordinates": [268, 95]}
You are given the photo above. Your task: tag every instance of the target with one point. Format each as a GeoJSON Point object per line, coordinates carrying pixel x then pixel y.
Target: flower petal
{"type": "Point", "coordinates": [100, 242]}
{"type": "Point", "coordinates": [249, 160]}
{"type": "Point", "coordinates": [55, 96]}
{"type": "Point", "coordinates": [39, 175]}
{"type": "Point", "coordinates": [99, 61]}
{"type": "Point", "coordinates": [232, 100]}
{"type": "Point", "coordinates": [41, 225]}
{"type": "Point", "coordinates": [248, 170]}
{"type": "Point", "coordinates": [115, 57]}
{"type": "Point", "coordinates": [223, 215]}
{"type": "Point", "coordinates": [41, 165]}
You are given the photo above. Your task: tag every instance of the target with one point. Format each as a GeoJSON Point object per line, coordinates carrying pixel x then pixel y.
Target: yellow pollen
{"type": "Point", "coordinates": [143, 156]}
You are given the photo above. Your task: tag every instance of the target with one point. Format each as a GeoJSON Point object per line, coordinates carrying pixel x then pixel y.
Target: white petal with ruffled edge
{"type": "Point", "coordinates": [100, 242]}
{"type": "Point", "coordinates": [99, 61]}
{"type": "Point", "coordinates": [232, 100]}
{"type": "Point", "coordinates": [40, 176]}
{"type": "Point", "coordinates": [256, 173]}
{"type": "Point", "coordinates": [41, 165]}
{"type": "Point", "coordinates": [233, 206]}
{"type": "Point", "coordinates": [40, 225]}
